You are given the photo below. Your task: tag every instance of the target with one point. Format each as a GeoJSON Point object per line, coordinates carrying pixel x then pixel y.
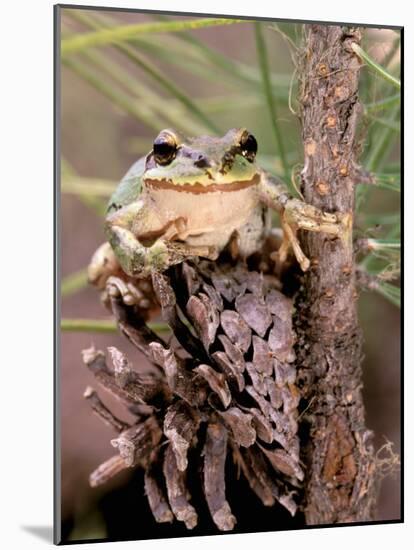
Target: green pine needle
{"type": "Point", "coordinates": [378, 69]}
{"type": "Point", "coordinates": [102, 325]}
{"type": "Point", "coordinates": [73, 283]}
{"type": "Point", "coordinates": [271, 103]}
{"type": "Point", "coordinates": [169, 85]}
{"type": "Point", "coordinates": [390, 292]}
{"type": "Point", "coordinates": [122, 33]}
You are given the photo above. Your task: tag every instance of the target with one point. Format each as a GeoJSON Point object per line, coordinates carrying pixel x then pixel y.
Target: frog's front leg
{"type": "Point", "coordinates": [129, 227]}
{"type": "Point", "coordinates": [105, 272]}
{"type": "Point", "coordinates": [296, 214]}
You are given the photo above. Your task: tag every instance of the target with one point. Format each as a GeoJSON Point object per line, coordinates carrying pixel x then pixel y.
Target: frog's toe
{"type": "Point", "coordinates": [308, 217]}
{"type": "Point", "coordinates": [103, 264]}
{"type": "Point", "coordinates": [131, 295]}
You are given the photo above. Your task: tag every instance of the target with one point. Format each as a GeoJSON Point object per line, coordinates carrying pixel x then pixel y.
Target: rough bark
{"type": "Point", "coordinates": [340, 485]}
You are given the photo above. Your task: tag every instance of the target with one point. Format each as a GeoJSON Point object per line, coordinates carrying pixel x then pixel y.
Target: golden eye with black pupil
{"type": "Point", "coordinates": [248, 146]}
{"type": "Point", "coordinates": [164, 148]}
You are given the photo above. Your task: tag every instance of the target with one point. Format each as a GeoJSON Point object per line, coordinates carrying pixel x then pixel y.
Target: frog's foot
{"type": "Point", "coordinates": [290, 241]}
{"type": "Point", "coordinates": [308, 217]}
{"type": "Point", "coordinates": [299, 215]}
{"type": "Point", "coordinates": [103, 264]}
{"type": "Point", "coordinates": [140, 261]}
{"type": "Point", "coordinates": [130, 293]}
{"type": "Point", "coordinates": [163, 254]}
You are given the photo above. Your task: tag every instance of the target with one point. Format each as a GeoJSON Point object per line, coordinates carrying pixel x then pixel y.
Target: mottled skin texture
{"type": "Point", "coordinates": [210, 190]}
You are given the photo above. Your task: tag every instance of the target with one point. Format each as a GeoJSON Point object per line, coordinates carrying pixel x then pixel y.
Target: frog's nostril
{"type": "Point", "coordinates": [202, 162]}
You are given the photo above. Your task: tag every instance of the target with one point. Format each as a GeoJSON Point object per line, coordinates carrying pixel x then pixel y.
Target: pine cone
{"type": "Point", "coordinates": [229, 385]}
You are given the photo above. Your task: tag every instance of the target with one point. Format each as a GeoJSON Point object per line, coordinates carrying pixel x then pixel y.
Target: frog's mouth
{"type": "Point", "coordinates": [197, 187]}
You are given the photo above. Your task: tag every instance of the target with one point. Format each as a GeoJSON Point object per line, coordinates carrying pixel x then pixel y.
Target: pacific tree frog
{"type": "Point", "coordinates": [189, 197]}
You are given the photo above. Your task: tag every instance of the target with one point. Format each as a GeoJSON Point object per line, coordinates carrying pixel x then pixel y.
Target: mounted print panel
{"type": "Point", "coordinates": [228, 205]}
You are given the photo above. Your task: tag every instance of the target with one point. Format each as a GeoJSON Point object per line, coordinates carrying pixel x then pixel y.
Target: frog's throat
{"type": "Point", "coordinates": [198, 188]}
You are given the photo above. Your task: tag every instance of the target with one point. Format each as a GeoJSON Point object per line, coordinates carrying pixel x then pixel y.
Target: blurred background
{"type": "Point", "coordinates": [118, 90]}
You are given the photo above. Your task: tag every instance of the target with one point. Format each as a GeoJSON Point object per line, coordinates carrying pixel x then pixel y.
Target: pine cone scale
{"type": "Point", "coordinates": [235, 391]}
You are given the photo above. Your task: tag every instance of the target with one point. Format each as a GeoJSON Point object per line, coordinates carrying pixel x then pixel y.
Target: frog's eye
{"type": "Point", "coordinates": [248, 146]}
{"type": "Point", "coordinates": [165, 148]}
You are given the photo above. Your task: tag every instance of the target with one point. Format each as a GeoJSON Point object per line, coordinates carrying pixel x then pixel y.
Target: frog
{"type": "Point", "coordinates": [189, 197]}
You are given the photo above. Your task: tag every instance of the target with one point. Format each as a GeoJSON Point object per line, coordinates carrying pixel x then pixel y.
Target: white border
{"type": "Point", "coordinates": [26, 269]}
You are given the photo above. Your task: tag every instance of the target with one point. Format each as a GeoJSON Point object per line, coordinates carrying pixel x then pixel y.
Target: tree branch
{"type": "Point", "coordinates": [340, 486]}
